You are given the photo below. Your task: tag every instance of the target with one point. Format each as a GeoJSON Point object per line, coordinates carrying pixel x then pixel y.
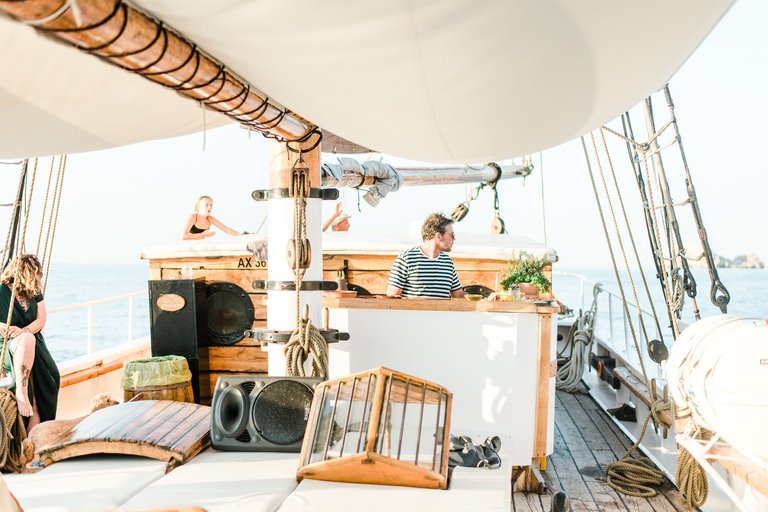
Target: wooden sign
{"type": "Point", "coordinates": [170, 302]}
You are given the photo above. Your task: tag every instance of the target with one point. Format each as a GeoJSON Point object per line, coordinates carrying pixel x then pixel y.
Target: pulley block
{"type": "Point", "coordinates": [292, 252]}
{"type": "Point", "coordinates": [299, 180]}
{"type": "Point", "coordinates": [460, 212]}
{"type": "Point", "coordinates": [497, 225]}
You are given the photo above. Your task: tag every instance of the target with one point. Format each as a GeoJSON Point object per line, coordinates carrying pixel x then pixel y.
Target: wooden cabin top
{"type": "Point", "coordinates": [468, 245]}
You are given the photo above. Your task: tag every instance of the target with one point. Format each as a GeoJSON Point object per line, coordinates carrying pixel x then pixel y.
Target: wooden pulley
{"type": "Point", "coordinates": [291, 253]}
{"type": "Point", "coordinates": [299, 180]}
{"type": "Point", "coordinates": [460, 212]}
{"type": "Point", "coordinates": [497, 225]}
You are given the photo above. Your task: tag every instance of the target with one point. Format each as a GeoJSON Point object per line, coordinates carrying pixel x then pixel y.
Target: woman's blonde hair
{"type": "Point", "coordinates": [197, 203]}
{"type": "Point", "coordinates": [30, 270]}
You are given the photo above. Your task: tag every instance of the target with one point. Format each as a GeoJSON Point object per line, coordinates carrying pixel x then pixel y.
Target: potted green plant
{"type": "Point", "coordinates": [524, 268]}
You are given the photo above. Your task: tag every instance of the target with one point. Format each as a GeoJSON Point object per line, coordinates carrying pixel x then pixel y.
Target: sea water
{"type": "Point", "coordinates": [66, 332]}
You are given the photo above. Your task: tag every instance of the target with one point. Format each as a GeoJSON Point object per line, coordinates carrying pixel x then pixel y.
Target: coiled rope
{"type": "Point", "coordinates": [691, 480]}
{"type": "Point", "coordinates": [633, 476]}
{"type": "Point", "coordinates": [306, 339]}
{"type": "Point", "coordinates": [580, 338]}
{"type": "Point", "coordinates": [13, 433]}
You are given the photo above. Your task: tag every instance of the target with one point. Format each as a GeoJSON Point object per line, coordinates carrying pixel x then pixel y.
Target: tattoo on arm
{"type": "Point", "coordinates": [24, 374]}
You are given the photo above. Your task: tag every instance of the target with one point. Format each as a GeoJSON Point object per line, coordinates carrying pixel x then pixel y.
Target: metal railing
{"type": "Point", "coordinates": [90, 304]}
{"type": "Point", "coordinates": [618, 339]}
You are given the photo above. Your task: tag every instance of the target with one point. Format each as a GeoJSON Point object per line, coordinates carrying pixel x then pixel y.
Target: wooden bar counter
{"type": "Point", "coordinates": [497, 358]}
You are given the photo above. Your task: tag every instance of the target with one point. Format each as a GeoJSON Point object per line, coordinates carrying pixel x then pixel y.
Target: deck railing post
{"type": "Point", "coordinates": [130, 319]}
{"type": "Point", "coordinates": [627, 352]}
{"type": "Point", "coordinates": [610, 316]}
{"type": "Point", "coordinates": [89, 348]}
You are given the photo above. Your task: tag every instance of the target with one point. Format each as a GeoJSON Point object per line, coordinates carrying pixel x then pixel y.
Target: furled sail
{"type": "Point", "coordinates": [441, 81]}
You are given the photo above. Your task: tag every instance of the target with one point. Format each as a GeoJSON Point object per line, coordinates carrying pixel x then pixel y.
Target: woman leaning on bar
{"type": "Point", "coordinates": [33, 372]}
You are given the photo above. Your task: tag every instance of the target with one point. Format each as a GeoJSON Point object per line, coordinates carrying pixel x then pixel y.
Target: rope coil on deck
{"type": "Point", "coordinates": [12, 433]}
{"type": "Point", "coordinates": [627, 474]}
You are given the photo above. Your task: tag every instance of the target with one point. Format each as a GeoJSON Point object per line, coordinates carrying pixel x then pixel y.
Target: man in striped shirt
{"type": "Point", "coordinates": [427, 271]}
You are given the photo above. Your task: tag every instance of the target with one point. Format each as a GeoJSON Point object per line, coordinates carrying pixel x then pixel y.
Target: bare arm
{"type": "Point", "coordinates": [186, 235]}
{"type": "Point", "coordinates": [394, 292]}
{"type": "Point", "coordinates": [35, 326]}
{"type": "Point", "coordinates": [229, 231]}
{"type": "Point", "coordinates": [459, 294]}
{"type": "Point", "coordinates": [335, 215]}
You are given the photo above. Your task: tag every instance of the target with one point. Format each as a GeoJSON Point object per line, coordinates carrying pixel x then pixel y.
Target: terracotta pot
{"type": "Point", "coordinates": [530, 290]}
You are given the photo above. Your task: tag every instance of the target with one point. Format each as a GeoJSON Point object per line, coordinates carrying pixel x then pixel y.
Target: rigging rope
{"type": "Point", "coordinates": [13, 432]}
{"type": "Point", "coordinates": [306, 338]}
{"type": "Point", "coordinates": [627, 474]}
{"type": "Point", "coordinates": [53, 218]}
{"type": "Point", "coordinates": [631, 476]}
{"type": "Point", "coordinates": [45, 206]}
{"type": "Point", "coordinates": [14, 217]}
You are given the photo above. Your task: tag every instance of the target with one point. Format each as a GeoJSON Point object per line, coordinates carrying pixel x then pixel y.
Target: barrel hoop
{"type": "Point", "coordinates": [161, 388]}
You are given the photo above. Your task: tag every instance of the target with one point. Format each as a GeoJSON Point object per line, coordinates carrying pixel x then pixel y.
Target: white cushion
{"type": "Point", "coordinates": [224, 481]}
{"type": "Point", "coordinates": [94, 482]}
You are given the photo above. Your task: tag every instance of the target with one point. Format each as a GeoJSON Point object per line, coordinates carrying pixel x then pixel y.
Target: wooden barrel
{"type": "Point", "coordinates": [158, 378]}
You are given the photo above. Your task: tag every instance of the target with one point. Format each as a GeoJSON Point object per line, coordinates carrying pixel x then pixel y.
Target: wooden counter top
{"type": "Point", "coordinates": [441, 305]}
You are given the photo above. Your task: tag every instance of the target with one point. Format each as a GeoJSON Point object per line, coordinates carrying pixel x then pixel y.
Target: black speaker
{"type": "Point", "coordinates": [261, 414]}
{"type": "Point", "coordinates": [178, 322]}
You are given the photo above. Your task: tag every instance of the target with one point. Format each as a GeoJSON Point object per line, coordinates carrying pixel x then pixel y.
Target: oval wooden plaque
{"type": "Point", "coordinates": [170, 302]}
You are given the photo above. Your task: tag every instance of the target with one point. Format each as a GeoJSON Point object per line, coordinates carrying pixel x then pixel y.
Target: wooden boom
{"type": "Point", "coordinates": [414, 177]}
{"type": "Point", "coordinates": [132, 40]}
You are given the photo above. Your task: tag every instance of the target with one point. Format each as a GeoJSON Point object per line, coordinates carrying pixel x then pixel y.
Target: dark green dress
{"type": "Point", "coordinates": [44, 388]}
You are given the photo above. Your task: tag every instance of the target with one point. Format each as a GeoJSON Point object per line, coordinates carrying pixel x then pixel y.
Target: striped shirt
{"type": "Point", "coordinates": [418, 275]}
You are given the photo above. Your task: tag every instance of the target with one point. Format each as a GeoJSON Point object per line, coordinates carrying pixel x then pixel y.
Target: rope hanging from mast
{"type": "Point", "coordinates": [306, 339]}
{"type": "Point", "coordinates": [628, 476]}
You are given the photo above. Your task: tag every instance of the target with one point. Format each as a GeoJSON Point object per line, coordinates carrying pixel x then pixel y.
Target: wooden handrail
{"type": "Point", "coordinates": [732, 460]}
{"type": "Point", "coordinates": [89, 373]}
{"type": "Point", "coordinates": [639, 389]}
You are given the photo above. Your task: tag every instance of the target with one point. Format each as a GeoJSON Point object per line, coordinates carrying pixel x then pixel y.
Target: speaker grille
{"type": "Point", "coordinates": [280, 412]}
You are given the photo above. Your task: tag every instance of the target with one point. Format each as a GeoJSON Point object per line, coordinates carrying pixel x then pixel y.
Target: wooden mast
{"type": "Point", "coordinates": [281, 308]}
{"type": "Point", "coordinates": [132, 40]}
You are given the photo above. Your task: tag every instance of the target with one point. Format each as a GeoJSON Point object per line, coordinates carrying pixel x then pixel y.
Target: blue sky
{"type": "Point", "coordinates": [119, 201]}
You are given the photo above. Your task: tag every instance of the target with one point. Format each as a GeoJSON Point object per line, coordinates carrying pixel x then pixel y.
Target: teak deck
{"type": "Point", "coordinates": [586, 439]}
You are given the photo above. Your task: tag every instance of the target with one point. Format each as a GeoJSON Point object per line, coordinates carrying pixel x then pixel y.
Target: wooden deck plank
{"type": "Point", "coordinates": [586, 439]}
{"type": "Point", "coordinates": [593, 423]}
{"type": "Point", "coordinates": [604, 496]}
{"type": "Point", "coordinates": [619, 444]}
{"type": "Point", "coordinates": [571, 479]}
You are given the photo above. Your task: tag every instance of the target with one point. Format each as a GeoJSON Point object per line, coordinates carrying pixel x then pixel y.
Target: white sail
{"type": "Point", "coordinates": [448, 81]}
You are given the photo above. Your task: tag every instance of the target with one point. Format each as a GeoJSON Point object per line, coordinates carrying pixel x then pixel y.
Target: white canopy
{"type": "Point", "coordinates": [431, 80]}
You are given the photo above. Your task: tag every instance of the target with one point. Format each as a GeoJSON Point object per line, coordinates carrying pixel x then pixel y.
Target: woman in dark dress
{"type": "Point", "coordinates": [34, 374]}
